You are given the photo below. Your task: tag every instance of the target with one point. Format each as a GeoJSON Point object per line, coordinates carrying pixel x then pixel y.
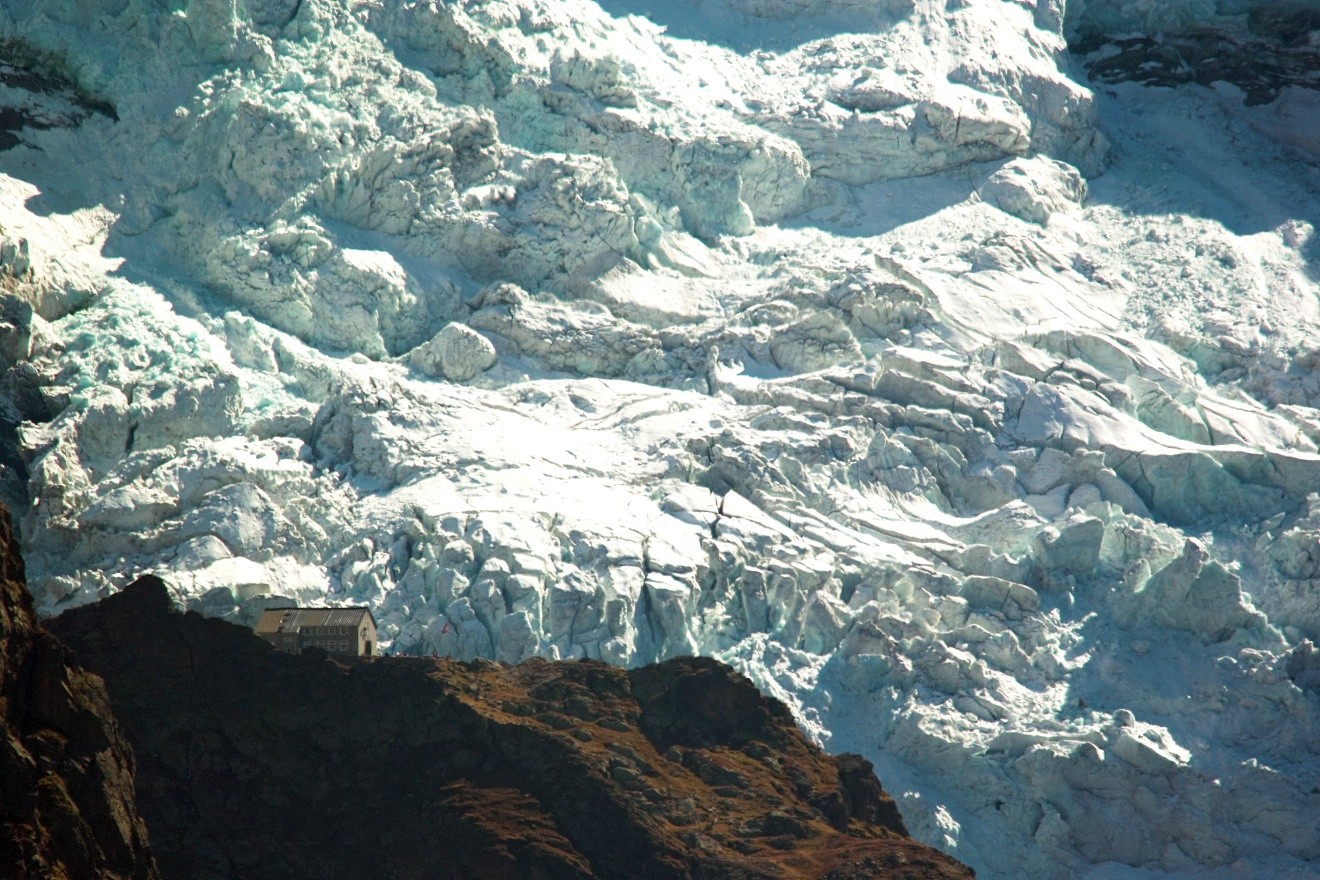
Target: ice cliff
{"type": "Point", "coordinates": [968, 409]}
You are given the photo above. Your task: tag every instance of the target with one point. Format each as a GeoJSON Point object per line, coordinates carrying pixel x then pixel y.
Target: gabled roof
{"type": "Point", "coordinates": [291, 620]}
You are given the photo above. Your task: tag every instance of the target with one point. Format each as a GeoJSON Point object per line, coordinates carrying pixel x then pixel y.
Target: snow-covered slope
{"type": "Point", "coordinates": [969, 411]}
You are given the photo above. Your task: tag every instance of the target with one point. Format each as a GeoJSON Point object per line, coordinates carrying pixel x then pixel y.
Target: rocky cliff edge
{"type": "Point", "coordinates": [67, 804]}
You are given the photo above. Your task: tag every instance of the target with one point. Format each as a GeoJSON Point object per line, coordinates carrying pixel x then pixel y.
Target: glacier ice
{"type": "Point", "coordinates": [967, 409]}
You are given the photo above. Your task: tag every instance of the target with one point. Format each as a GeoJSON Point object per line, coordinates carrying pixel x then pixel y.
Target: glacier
{"type": "Point", "coordinates": [966, 403]}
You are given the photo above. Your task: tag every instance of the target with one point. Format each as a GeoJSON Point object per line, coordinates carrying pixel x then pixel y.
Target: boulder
{"type": "Point", "coordinates": [1033, 189]}
{"type": "Point", "coordinates": [457, 353]}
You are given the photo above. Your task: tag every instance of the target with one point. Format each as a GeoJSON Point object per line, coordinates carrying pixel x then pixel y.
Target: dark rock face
{"type": "Point", "coordinates": [67, 806]}
{"type": "Point", "coordinates": [38, 100]}
{"type": "Point", "coordinates": [260, 765]}
{"type": "Point", "coordinates": [1290, 22]}
{"type": "Point", "coordinates": [1273, 55]}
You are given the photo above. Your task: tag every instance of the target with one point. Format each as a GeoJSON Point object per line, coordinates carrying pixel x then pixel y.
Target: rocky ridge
{"type": "Point", "coordinates": [260, 765]}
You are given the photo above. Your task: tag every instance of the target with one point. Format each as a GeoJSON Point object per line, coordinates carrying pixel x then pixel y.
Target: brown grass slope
{"type": "Point", "coordinates": [264, 766]}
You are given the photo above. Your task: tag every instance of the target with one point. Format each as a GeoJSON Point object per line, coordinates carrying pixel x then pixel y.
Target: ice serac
{"type": "Point", "coordinates": [69, 805]}
{"type": "Point", "coordinates": [805, 335]}
{"type": "Point", "coordinates": [413, 767]}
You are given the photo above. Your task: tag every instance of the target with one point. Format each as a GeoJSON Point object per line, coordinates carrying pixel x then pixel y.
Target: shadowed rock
{"type": "Point", "coordinates": [67, 807]}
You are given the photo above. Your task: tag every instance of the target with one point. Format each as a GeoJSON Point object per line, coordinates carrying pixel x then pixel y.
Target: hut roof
{"type": "Point", "coordinates": [292, 620]}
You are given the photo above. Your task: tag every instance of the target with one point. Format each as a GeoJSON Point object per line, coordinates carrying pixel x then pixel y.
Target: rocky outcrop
{"type": "Point", "coordinates": [67, 807]}
{"type": "Point", "coordinates": [1273, 55]}
{"type": "Point", "coordinates": [262, 765]}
